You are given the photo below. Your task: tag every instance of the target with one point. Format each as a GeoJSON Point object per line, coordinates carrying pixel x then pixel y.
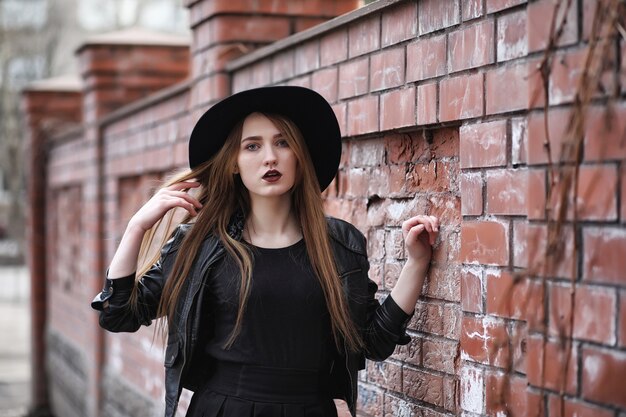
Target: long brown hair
{"type": "Point", "coordinates": [222, 194]}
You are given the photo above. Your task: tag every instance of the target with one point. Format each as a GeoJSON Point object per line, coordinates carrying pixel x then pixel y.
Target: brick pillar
{"type": "Point", "coordinates": [48, 107]}
{"type": "Point", "coordinates": [226, 29]}
{"type": "Point", "coordinates": [117, 68]}
{"type": "Point", "coordinates": [121, 67]}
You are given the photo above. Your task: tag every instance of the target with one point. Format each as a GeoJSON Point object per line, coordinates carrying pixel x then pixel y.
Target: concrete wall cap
{"type": "Point", "coordinates": [137, 36]}
{"type": "Point", "coordinates": [63, 83]}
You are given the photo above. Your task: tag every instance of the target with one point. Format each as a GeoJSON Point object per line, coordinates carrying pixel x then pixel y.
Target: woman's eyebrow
{"type": "Point", "coordinates": [257, 137]}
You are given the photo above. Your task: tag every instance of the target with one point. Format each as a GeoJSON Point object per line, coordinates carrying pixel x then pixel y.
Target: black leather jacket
{"type": "Point", "coordinates": [382, 326]}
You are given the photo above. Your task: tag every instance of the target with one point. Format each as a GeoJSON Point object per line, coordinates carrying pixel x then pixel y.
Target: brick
{"type": "Point", "coordinates": [307, 57]}
{"type": "Point", "coordinates": [328, 8]}
{"type": "Point", "coordinates": [461, 97]}
{"type": "Point", "coordinates": [439, 355]}
{"type": "Point", "coordinates": [471, 9]}
{"type": "Point", "coordinates": [565, 75]}
{"type": "Point", "coordinates": [446, 207]}
{"type": "Point", "coordinates": [471, 194]}
{"type": "Point", "coordinates": [326, 83]}
{"type": "Point", "coordinates": [622, 319]}
{"type": "Point", "coordinates": [410, 353]}
{"type": "Point", "coordinates": [485, 340]}
{"type": "Point", "coordinates": [445, 143]}
{"type": "Point", "coordinates": [519, 333]}
{"type": "Point", "coordinates": [507, 191]}
{"type": "Point", "coordinates": [399, 24]}
{"type": "Point", "coordinates": [588, 14]}
{"type": "Point", "coordinates": [354, 78]}
{"type": "Point", "coordinates": [605, 133]}
{"type": "Point", "coordinates": [395, 406]}
{"type": "Point", "coordinates": [426, 58]}
{"type": "Point", "coordinates": [484, 242]}
{"type": "Point", "coordinates": [434, 15]}
{"type": "Point", "coordinates": [370, 400]}
{"type": "Point", "coordinates": [536, 198]}
{"type": "Point", "coordinates": [367, 153]}
{"type": "Point", "coordinates": [471, 47]}
{"type": "Point", "coordinates": [557, 125]}
{"type": "Point", "coordinates": [261, 74]}
{"type": "Point", "coordinates": [443, 282]}
{"type": "Point", "coordinates": [334, 47]}
{"type": "Point", "coordinates": [597, 193]}
{"type": "Point", "coordinates": [540, 15]}
{"type": "Point", "coordinates": [516, 98]}
{"type": "Point", "coordinates": [483, 144]}
{"type": "Point", "coordinates": [283, 66]}
{"type": "Point", "coordinates": [304, 81]}
{"type": "Point", "coordinates": [341, 110]}
{"type": "Point", "coordinates": [514, 297]}
{"type": "Point", "coordinates": [364, 36]}
{"type": "Point", "coordinates": [362, 116]}
{"type": "Point", "coordinates": [623, 194]}
{"type": "Point", "coordinates": [506, 394]}
{"type": "Point", "coordinates": [471, 291]}
{"type": "Point", "coordinates": [555, 369]}
{"type": "Point", "coordinates": [472, 390]}
{"type": "Point", "coordinates": [427, 317]}
{"type": "Point", "coordinates": [397, 109]}
{"type": "Point", "coordinates": [427, 104]}
{"type": "Point", "coordinates": [394, 244]}
{"type": "Point", "coordinates": [603, 259]}
{"type": "Point", "coordinates": [385, 374]}
{"type": "Point", "coordinates": [243, 28]}
{"type": "Point", "coordinates": [594, 313]}
{"type": "Point", "coordinates": [574, 408]}
{"type": "Point", "coordinates": [423, 386]}
{"type": "Point", "coordinates": [603, 375]}
{"type": "Point", "coordinates": [498, 5]}
{"type": "Point", "coordinates": [512, 41]}
{"type": "Point", "coordinates": [387, 69]}
{"type": "Point", "coordinates": [403, 148]}
{"type": "Point", "coordinates": [558, 262]}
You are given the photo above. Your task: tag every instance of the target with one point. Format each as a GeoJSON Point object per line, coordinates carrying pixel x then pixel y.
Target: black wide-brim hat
{"type": "Point", "coordinates": [306, 108]}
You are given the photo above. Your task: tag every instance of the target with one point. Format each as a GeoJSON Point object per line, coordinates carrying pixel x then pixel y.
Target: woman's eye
{"type": "Point", "coordinates": [252, 146]}
{"type": "Point", "coordinates": [282, 143]}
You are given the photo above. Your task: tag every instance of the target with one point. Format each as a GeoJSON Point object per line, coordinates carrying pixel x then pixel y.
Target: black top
{"type": "Point", "coordinates": [286, 323]}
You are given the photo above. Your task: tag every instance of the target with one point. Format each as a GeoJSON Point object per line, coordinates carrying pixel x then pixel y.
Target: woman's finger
{"type": "Point", "coordinates": [185, 196]}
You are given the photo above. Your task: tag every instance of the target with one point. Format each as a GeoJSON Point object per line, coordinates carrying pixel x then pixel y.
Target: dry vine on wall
{"type": "Point", "coordinates": [562, 246]}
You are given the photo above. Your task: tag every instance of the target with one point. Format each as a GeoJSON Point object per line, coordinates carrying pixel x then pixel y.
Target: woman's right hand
{"type": "Point", "coordinates": [163, 201]}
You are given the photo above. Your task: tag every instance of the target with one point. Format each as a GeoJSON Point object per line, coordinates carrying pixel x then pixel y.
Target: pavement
{"type": "Point", "coordinates": [14, 341]}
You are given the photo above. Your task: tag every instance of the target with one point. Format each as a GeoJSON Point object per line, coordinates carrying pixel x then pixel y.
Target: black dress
{"type": "Point", "coordinates": [279, 363]}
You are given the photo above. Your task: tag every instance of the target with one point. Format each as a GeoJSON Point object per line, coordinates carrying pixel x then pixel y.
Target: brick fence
{"type": "Point", "coordinates": [441, 104]}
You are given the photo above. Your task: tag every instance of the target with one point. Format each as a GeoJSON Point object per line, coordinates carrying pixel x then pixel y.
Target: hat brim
{"type": "Point", "coordinates": [306, 108]}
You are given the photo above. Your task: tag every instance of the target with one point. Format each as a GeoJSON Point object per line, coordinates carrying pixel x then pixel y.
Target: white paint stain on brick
{"type": "Point", "coordinates": [519, 127]}
{"type": "Point", "coordinates": [593, 368]}
{"type": "Point", "coordinates": [396, 209]}
{"type": "Point", "coordinates": [472, 390]}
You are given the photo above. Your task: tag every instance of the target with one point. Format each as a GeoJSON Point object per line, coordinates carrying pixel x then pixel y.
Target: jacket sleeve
{"type": "Point", "coordinates": [385, 324]}
{"type": "Point", "coordinates": [116, 315]}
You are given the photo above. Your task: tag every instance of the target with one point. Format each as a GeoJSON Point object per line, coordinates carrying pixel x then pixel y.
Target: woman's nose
{"type": "Point", "coordinates": [270, 156]}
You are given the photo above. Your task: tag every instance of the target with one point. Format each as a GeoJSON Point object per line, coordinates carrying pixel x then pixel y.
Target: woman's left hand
{"type": "Point", "coordinates": [420, 233]}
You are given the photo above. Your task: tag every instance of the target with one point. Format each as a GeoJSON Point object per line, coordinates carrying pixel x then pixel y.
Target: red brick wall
{"type": "Point", "coordinates": [441, 108]}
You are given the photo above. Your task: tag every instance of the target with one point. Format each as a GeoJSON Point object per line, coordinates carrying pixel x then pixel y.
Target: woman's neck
{"type": "Point", "coordinates": [272, 223]}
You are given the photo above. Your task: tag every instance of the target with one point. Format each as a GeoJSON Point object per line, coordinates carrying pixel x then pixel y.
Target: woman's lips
{"type": "Point", "coordinates": [272, 175]}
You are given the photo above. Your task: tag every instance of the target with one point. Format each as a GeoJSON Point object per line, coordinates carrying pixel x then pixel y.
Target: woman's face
{"type": "Point", "coordinates": [265, 162]}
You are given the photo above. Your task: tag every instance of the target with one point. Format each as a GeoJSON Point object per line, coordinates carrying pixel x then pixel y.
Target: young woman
{"type": "Point", "coordinates": [269, 308]}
